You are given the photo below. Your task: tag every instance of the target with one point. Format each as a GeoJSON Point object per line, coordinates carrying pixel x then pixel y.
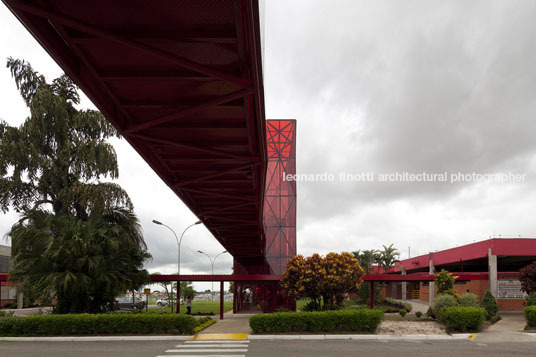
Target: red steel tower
{"type": "Point", "coordinates": [280, 194]}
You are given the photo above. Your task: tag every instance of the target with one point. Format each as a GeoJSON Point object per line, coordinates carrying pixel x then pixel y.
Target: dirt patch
{"type": "Point", "coordinates": [411, 328]}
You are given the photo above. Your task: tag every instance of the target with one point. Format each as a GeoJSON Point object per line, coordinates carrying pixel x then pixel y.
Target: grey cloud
{"type": "Point", "coordinates": [402, 86]}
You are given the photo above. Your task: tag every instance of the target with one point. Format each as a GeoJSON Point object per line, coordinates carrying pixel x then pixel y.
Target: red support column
{"type": "Point", "coordinates": [221, 300]}
{"type": "Point", "coordinates": [371, 294]}
{"type": "Point", "coordinates": [178, 297]}
{"type": "Point", "coordinates": [235, 297]}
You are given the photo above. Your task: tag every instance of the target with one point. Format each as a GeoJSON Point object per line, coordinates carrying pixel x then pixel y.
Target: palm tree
{"type": "Point", "coordinates": [367, 258]}
{"type": "Point", "coordinates": [388, 257]}
{"type": "Point", "coordinates": [84, 263]}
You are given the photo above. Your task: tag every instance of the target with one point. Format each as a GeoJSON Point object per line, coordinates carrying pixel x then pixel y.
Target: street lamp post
{"type": "Point", "coordinates": [178, 258]}
{"type": "Point", "coordinates": [212, 263]}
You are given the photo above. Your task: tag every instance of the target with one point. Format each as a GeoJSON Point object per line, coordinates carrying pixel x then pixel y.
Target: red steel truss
{"type": "Point", "coordinates": [182, 82]}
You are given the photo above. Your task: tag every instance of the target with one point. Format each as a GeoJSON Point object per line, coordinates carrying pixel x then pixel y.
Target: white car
{"type": "Point", "coordinates": [165, 301]}
{"type": "Point", "coordinates": [162, 302]}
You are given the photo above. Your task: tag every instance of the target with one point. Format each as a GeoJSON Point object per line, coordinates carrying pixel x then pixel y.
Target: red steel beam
{"type": "Point", "coordinates": [214, 175]}
{"type": "Point", "coordinates": [423, 277]}
{"type": "Point", "coordinates": [188, 111]}
{"type": "Point", "coordinates": [197, 148]}
{"type": "Point", "coordinates": [221, 277]}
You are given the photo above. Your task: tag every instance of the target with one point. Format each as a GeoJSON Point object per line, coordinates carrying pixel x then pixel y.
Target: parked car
{"type": "Point", "coordinates": [162, 302]}
{"type": "Point", "coordinates": [125, 302]}
{"type": "Point", "coordinates": [165, 301]}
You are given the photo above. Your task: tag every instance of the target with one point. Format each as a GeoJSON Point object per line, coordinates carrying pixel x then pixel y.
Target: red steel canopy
{"type": "Point", "coordinates": [182, 82]}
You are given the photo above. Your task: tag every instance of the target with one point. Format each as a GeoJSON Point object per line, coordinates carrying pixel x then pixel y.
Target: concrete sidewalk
{"type": "Point", "coordinates": [231, 323]}
{"type": "Point", "coordinates": [509, 329]}
{"type": "Point", "coordinates": [416, 305]}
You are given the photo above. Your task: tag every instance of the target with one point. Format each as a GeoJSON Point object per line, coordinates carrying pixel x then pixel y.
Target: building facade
{"type": "Point", "coordinates": [8, 292]}
{"type": "Point", "coordinates": [500, 258]}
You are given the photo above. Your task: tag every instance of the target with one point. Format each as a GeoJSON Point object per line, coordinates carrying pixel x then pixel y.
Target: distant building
{"type": "Point", "coordinates": [499, 258]}
{"type": "Point", "coordinates": [8, 292]}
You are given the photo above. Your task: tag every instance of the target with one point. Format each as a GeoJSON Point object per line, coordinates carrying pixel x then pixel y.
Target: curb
{"type": "Point", "coordinates": [95, 338]}
{"type": "Point", "coordinates": [458, 336]}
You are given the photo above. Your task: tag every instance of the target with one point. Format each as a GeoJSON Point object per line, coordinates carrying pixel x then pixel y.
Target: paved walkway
{"type": "Point", "coordinates": [416, 305]}
{"type": "Point", "coordinates": [508, 329]}
{"type": "Point", "coordinates": [231, 323]}
{"type": "Point", "coordinates": [29, 311]}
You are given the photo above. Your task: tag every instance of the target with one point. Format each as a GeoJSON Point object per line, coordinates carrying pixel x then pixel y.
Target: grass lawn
{"type": "Point", "coordinates": [197, 306]}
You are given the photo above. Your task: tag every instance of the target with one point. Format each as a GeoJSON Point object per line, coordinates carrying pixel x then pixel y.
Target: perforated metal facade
{"type": "Point", "coordinates": [280, 194]}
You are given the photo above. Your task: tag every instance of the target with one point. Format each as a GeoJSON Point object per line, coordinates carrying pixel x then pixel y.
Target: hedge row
{"type": "Point", "coordinates": [203, 323]}
{"type": "Point", "coordinates": [530, 315]}
{"type": "Point", "coordinates": [363, 320]}
{"type": "Point", "coordinates": [463, 318]}
{"type": "Point", "coordinates": [99, 324]}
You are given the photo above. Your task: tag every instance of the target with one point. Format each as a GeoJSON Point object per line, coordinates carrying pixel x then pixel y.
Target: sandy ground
{"type": "Point", "coordinates": [411, 328]}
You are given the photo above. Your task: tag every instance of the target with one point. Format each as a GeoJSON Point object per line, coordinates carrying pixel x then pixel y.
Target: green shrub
{"type": "Point", "coordinates": [402, 312]}
{"type": "Point", "coordinates": [530, 315]}
{"type": "Point", "coordinates": [6, 313]}
{"type": "Point", "coordinates": [469, 299]}
{"type": "Point", "coordinates": [418, 314]}
{"type": "Point", "coordinates": [463, 318]}
{"type": "Point", "coordinates": [442, 301]}
{"type": "Point", "coordinates": [97, 324]}
{"type": "Point", "coordinates": [490, 304]}
{"type": "Point", "coordinates": [430, 312]}
{"type": "Point", "coordinates": [452, 293]}
{"type": "Point", "coordinates": [312, 306]}
{"type": "Point", "coordinates": [203, 320]}
{"type": "Point", "coordinates": [203, 323]}
{"type": "Point", "coordinates": [363, 320]}
{"type": "Point", "coordinates": [444, 282]}
{"type": "Point", "coordinates": [531, 299]}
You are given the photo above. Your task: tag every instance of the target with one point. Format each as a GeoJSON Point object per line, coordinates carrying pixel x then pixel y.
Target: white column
{"type": "Point", "coordinates": [431, 286]}
{"type": "Point", "coordinates": [492, 271]}
{"type": "Point", "coordinates": [19, 298]}
{"type": "Point", "coordinates": [404, 285]}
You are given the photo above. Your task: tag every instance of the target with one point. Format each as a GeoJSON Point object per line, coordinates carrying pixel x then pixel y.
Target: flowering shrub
{"type": "Point", "coordinates": [325, 281]}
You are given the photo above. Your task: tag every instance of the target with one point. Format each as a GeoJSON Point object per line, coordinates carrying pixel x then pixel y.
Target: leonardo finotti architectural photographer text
{"type": "Point", "coordinates": [407, 177]}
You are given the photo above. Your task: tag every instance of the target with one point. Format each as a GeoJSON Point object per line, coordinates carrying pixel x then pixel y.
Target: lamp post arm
{"type": "Point", "coordinates": [205, 254]}
{"type": "Point", "coordinates": [182, 235]}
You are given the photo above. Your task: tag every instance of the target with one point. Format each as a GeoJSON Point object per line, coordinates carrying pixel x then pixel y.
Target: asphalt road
{"type": "Point", "coordinates": [338, 348]}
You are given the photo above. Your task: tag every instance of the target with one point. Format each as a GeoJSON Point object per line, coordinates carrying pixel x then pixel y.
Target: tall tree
{"type": "Point", "coordinates": [78, 238]}
{"type": "Point", "coordinates": [388, 257]}
{"type": "Point", "coordinates": [56, 158]}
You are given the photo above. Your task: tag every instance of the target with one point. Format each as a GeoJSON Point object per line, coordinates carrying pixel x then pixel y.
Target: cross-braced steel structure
{"type": "Point", "coordinates": [280, 194]}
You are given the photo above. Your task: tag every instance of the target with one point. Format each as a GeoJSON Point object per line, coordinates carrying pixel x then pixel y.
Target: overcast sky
{"type": "Point", "coordinates": [376, 86]}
